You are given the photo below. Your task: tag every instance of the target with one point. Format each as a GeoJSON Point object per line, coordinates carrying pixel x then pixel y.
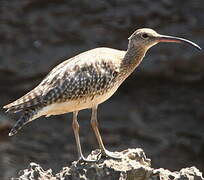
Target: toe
{"type": "Point", "coordinates": [110, 154]}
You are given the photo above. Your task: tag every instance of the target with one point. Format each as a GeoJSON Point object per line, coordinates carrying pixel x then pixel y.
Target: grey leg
{"type": "Point", "coordinates": [75, 126]}
{"type": "Point", "coordinates": [94, 124]}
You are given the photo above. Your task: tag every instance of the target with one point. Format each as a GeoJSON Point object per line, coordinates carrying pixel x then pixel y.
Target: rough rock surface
{"type": "Point", "coordinates": [133, 166]}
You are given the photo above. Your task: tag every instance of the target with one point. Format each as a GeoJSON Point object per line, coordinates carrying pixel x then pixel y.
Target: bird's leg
{"type": "Point", "coordinates": [75, 126]}
{"type": "Point", "coordinates": [94, 124]}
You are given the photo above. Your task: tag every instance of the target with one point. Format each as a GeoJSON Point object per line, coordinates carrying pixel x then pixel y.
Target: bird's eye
{"type": "Point", "coordinates": [145, 35]}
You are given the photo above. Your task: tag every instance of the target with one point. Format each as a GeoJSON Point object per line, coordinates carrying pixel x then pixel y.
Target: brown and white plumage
{"type": "Point", "coordinates": [85, 81]}
{"type": "Point", "coordinates": [73, 84]}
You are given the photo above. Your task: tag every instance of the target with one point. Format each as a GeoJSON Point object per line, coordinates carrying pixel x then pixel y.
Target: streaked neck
{"type": "Point", "coordinates": [133, 57]}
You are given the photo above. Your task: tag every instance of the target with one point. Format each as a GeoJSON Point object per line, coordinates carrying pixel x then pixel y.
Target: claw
{"type": "Point", "coordinates": [83, 159]}
{"type": "Point", "coordinates": [110, 154]}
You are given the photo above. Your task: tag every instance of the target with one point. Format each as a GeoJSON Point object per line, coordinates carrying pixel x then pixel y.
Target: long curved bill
{"type": "Point", "coordinates": [164, 38]}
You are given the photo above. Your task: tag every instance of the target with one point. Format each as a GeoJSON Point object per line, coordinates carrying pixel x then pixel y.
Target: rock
{"type": "Point", "coordinates": [133, 165]}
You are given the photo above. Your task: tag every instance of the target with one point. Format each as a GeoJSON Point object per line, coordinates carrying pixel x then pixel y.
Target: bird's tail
{"type": "Point", "coordinates": [28, 116]}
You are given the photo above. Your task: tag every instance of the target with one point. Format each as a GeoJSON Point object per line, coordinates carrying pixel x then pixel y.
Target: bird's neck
{"type": "Point", "coordinates": [133, 58]}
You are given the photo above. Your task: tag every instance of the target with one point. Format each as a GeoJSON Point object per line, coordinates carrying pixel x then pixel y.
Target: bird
{"type": "Point", "coordinates": [84, 82]}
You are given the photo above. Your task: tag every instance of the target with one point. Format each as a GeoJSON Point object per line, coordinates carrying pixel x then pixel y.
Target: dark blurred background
{"type": "Point", "coordinates": [160, 108]}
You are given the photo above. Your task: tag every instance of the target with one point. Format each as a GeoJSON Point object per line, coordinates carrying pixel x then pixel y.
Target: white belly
{"type": "Point", "coordinates": [76, 105]}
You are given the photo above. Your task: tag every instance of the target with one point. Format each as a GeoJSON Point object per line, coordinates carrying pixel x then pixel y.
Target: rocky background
{"type": "Point", "coordinates": [159, 108]}
{"type": "Point", "coordinates": [133, 165]}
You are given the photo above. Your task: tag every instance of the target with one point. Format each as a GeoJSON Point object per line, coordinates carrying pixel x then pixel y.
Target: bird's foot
{"type": "Point", "coordinates": [83, 159]}
{"type": "Point", "coordinates": [110, 154]}
{"type": "Point", "coordinates": [103, 153]}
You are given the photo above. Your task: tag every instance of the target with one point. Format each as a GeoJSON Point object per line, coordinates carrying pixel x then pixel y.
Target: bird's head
{"type": "Point", "coordinates": [146, 38]}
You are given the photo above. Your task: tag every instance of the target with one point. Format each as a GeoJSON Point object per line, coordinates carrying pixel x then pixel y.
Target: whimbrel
{"type": "Point", "coordinates": [85, 81]}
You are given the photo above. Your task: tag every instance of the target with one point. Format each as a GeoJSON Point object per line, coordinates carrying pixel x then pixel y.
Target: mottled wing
{"type": "Point", "coordinates": [83, 80]}
{"type": "Point", "coordinates": [87, 74]}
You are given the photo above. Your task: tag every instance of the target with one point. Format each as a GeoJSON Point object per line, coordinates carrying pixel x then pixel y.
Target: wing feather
{"type": "Point", "coordinates": [82, 75]}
